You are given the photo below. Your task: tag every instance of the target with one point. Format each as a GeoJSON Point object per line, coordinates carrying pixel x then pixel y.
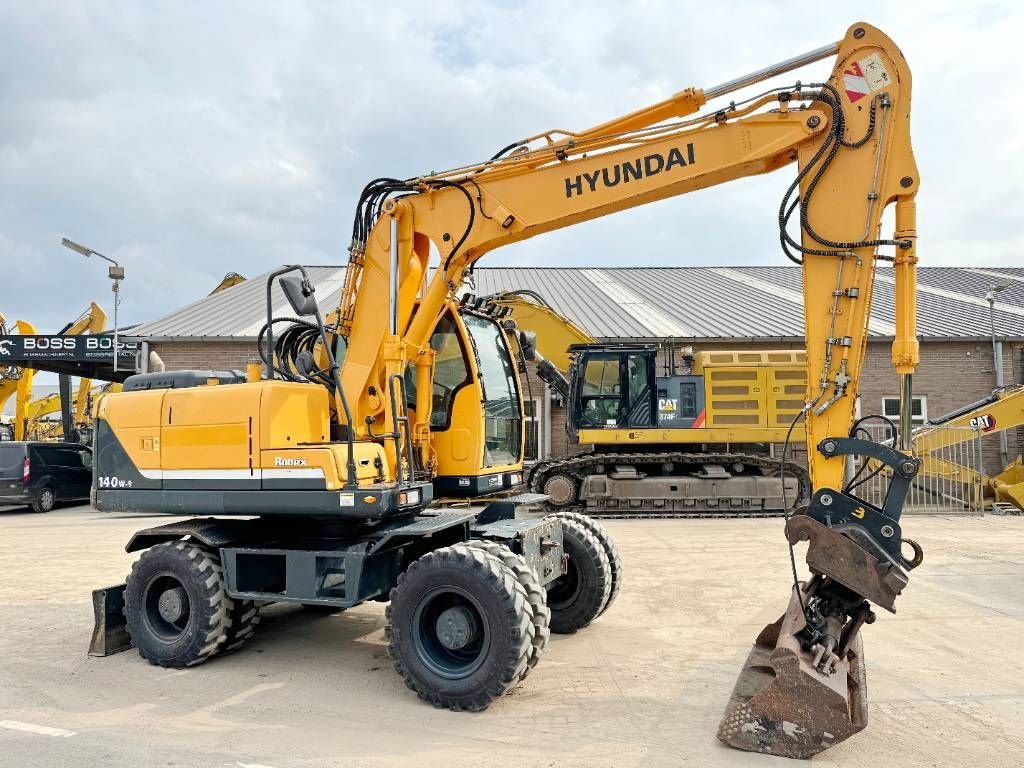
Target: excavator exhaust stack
{"type": "Point", "coordinates": [783, 705]}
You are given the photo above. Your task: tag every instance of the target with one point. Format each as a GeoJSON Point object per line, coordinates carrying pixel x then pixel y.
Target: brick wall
{"type": "Point", "coordinates": [205, 355]}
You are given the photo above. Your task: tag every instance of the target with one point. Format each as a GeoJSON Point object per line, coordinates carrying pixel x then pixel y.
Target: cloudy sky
{"type": "Point", "coordinates": [192, 139]}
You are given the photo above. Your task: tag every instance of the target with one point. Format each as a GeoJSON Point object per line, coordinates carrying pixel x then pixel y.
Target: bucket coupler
{"type": "Point", "coordinates": [803, 686]}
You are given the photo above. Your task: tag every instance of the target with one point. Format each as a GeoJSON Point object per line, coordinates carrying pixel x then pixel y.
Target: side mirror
{"type": "Point", "coordinates": [299, 294]}
{"type": "Point", "coordinates": [528, 343]}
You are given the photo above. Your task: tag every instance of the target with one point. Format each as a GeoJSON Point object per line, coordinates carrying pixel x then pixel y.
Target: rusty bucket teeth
{"type": "Point", "coordinates": [781, 705]}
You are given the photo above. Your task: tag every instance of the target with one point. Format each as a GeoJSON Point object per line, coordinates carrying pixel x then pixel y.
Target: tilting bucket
{"type": "Point", "coordinates": [782, 705]}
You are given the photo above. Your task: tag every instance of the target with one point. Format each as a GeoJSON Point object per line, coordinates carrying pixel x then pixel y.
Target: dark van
{"type": "Point", "coordinates": [41, 474]}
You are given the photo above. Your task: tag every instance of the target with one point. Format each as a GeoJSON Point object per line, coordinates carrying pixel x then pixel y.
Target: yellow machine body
{"type": "Point", "coordinates": [266, 432]}
{"type": "Point", "coordinates": [749, 398]}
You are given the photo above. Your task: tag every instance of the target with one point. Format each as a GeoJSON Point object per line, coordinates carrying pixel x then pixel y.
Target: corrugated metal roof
{"type": "Point", "coordinates": [240, 311]}
{"type": "Point", "coordinates": [656, 302]}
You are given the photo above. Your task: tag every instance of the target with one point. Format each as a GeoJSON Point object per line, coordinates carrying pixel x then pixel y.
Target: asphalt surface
{"type": "Point", "coordinates": [645, 685]}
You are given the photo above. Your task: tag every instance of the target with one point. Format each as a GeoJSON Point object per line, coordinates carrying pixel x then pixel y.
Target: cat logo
{"type": "Point", "coordinates": [986, 422]}
{"type": "Point", "coordinates": [859, 513]}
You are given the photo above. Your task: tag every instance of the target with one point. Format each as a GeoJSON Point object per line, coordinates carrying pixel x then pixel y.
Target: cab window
{"type": "Point", "coordinates": [601, 397]}
{"type": "Point", "coordinates": [450, 373]}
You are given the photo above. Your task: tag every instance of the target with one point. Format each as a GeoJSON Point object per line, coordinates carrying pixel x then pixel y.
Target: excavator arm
{"type": "Point", "coordinates": [92, 321]}
{"type": "Point", "coordinates": [1000, 411]}
{"type": "Point", "coordinates": [550, 335]}
{"type": "Point", "coordinates": [849, 138]}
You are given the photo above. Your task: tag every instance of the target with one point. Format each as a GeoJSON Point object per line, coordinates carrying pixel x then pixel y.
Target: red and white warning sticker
{"type": "Point", "coordinates": [864, 77]}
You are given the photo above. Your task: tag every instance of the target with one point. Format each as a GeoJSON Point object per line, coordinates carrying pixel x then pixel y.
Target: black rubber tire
{"type": "Point", "coordinates": [612, 551]}
{"type": "Point", "coordinates": [578, 597]}
{"type": "Point", "coordinates": [243, 618]}
{"type": "Point", "coordinates": [44, 500]}
{"type": "Point", "coordinates": [197, 571]}
{"type": "Point", "coordinates": [503, 609]}
{"type": "Point", "coordinates": [535, 593]}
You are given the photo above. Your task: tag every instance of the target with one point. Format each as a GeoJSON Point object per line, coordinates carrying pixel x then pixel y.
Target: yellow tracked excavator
{"type": "Point", "coordinates": [693, 440]}
{"type": "Point", "coordinates": [331, 459]}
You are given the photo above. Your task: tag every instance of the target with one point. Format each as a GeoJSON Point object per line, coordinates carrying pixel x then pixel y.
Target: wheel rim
{"type": "Point", "coordinates": [451, 633]}
{"type": "Point", "coordinates": [46, 498]}
{"type": "Point", "coordinates": [167, 608]}
{"type": "Point", "coordinates": [565, 589]}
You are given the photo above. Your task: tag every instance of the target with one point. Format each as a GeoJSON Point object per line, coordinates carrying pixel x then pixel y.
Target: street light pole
{"type": "Point", "coordinates": [115, 272]}
{"type": "Point", "coordinates": [997, 360]}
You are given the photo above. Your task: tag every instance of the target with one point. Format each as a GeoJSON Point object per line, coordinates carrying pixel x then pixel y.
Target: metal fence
{"type": "Point", "coordinates": [950, 477]}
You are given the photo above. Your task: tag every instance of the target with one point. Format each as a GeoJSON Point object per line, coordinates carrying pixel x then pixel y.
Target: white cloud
{"type": "Point", "coordinates": [191, 140]}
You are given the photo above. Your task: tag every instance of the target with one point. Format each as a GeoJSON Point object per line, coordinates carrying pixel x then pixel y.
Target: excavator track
{"type": "Point", "coordinates": [579, 467]}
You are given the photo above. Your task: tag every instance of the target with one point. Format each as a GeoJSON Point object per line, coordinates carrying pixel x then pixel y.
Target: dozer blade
{"type": "Point", "coordinates": [110, 633]}
{"type": "Point", "coordinates": [783, 706]}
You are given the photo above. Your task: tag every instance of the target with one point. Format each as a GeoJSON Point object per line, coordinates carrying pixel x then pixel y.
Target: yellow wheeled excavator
{"type": "Point", "coordinates": [334, 455]}
{"type": "Point", "coordinates": [693, 440]}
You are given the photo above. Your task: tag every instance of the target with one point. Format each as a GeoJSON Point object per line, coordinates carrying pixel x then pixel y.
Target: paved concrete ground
{"type": "Point", "coordinates": [643, 686]}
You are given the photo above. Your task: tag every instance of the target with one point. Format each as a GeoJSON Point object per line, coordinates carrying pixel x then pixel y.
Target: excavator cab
{"type": "Point", "coordinates": [473, 367]}
{"type": "Point", "coordinates": [613, 386]}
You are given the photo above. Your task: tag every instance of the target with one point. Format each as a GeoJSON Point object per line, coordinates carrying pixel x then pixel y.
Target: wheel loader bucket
{"type": "Point", "coordinates": [782, 705]}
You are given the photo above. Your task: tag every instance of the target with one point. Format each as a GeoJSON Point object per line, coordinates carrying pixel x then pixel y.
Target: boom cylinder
{"type": "Point", "coordinates": [905, 352]}
{"type": "Point", "coordinates": [393, 280]}
{"type": "Point", "coordinates": [788, 65]}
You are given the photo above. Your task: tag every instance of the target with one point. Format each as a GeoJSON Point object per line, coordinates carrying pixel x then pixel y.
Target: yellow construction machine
{"type": "Point", "coordinates": [694, 440]}
{"type": "Point", "coordinates": [1000, 411]}
{"type": "Point", "coordinates": [36, 427]}
{"type": "Point", "coordinates": [15, 380]}
{"type": "Point", "coordinates": [333, 456]}
{"type": "Point", "coordinates": [230, 280]}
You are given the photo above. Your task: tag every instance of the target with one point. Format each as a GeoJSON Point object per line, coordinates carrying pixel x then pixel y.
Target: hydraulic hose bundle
{"type": "Point", "coordinates": [299, 337]}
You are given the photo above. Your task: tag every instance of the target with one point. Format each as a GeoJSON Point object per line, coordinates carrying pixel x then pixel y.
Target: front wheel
{"type": "Point", "coordinates": [459, 628]}
{"type": "Point", "coordinates": [610, 550]}
{"type": "Point", "coordinates": [578, 597]}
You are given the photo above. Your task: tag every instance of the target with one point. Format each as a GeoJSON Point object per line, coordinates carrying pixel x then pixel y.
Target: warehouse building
{"type": "Point", "coordinates": [708, 308]}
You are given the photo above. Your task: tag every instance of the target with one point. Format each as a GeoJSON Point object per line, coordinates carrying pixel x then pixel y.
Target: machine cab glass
{"type": "Point", "coordinates": [613, 388]}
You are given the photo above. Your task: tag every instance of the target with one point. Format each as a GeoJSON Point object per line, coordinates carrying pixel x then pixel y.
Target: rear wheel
{"type": "Point", "coordinates": [579, 596]}
{"type": "Point", "coordinates": [535, 593]}
{"type": "Point", "coordinates": [459, 628]}
{"type": "Point", "coordinates": [174, 602]}
{"type": "Point", "coordinates": [610, 550]}
{"type": "Point", "coordinates": [44, 500]}
{"type": "Point", "coordinates": [243, 618]}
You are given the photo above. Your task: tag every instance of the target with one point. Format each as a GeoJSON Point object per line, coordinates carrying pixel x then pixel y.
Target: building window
{"type": "Point", "coordinates": [918, 409]}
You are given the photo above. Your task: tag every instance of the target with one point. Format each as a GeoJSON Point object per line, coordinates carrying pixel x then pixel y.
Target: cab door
{"type": "Point", "coordinates": [616, 390]}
